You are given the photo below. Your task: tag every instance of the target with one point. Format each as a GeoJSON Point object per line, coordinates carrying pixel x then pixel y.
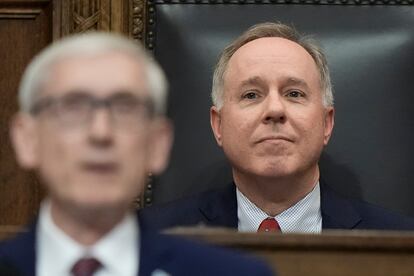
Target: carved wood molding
{"type": "Point", "coordinates": [19, 13]}
{"type": "Point", "coordinates": [137, 20]}
{"type": "Point", "coordinates": [22, 9]}
{"type": "Point", "coordinates": [79, 16]}
{"type": "Point", "coordinates": [139, 11]}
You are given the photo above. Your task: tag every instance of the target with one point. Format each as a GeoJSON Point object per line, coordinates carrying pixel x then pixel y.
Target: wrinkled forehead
{"type": "Point", "coordinates": [102, 75]}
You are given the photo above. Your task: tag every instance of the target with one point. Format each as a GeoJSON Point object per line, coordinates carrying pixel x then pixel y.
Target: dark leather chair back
{"type": "Point", "coordinates": [370, 48]}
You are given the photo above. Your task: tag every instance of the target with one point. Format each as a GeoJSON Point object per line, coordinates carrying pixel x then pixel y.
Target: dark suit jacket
{"type": "Point", "coordinates": [173, 255]}
{"type": "Point", "coordinates": [219, 208]}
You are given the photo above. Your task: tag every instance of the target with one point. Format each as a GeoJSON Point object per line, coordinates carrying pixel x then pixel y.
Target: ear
{"type": "Point", "coordinates": [329, 124]}
{"type": "Point", "coordinates": [160, 143]}
{"type": "Point", "coordinates": [215, 122]}
{"type": "Point", "coordinates": [24, 138]}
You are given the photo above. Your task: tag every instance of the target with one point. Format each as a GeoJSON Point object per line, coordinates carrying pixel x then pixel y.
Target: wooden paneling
{"type": "Point", "coordinates": [339, 253]}
{"type": "Point", "coordinates": [25, 28]}
{"type": "Point", "coordinates": [86, 15]}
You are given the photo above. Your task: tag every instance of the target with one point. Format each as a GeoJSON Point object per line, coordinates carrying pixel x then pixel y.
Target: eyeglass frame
{"type": "Point", "coordinates": [94, 103]}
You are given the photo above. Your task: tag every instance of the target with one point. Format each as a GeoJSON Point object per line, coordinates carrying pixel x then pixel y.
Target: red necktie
{"type": "Point", "coordinates": [85, 267]}
{"type": "Point", "coordinates": [269, 225]}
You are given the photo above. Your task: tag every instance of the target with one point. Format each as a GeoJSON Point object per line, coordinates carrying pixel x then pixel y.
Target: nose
{"type": "Point", "coordinates": [274, 109]}
{"type": "Point", "coordinates": [101, 127]}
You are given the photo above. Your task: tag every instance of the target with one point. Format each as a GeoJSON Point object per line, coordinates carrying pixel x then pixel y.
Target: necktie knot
{"type": "Point", "coordinates": [269, 225]}
{"type": "Point", "coordinates": [86, 267]}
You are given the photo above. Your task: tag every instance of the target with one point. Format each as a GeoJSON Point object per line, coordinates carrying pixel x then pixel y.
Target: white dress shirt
{"type": "Point", "coordinates": [118, 250]}
{"type": "Point", "coordinates": [303, 217]}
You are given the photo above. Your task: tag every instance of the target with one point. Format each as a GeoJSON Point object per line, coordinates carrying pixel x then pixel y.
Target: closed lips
{"type": "Point", "coordinates": [274, 138]}
{"type": "Point", "coordinates": [100, 166]}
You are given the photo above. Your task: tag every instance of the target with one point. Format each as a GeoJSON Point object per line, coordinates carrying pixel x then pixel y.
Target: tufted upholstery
{"type": "Point", "coordinates": [370, 48]}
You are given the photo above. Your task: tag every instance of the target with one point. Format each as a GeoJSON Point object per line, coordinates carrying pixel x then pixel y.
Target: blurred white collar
{"type": "Point", "coordinates": [56, 252]}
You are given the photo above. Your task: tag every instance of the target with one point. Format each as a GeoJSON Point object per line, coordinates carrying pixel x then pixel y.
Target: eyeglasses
{"type": "Point", "coordinates": [76, 109]}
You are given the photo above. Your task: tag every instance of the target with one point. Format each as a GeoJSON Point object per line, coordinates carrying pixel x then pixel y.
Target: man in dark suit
{"type": "Point", "coordinates": [273, 114]}
{"type": "Point", "coordinates": [92, 124]}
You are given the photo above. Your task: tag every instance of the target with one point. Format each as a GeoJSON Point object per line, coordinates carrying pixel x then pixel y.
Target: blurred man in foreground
{"type": "Point", "coordinates": [92, 124]}
{"type": "Point", "coordinates": [273, 114]}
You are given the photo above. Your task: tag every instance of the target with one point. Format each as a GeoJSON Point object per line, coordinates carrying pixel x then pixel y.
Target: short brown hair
{"type": "Point", "coordinates": [270, 29]}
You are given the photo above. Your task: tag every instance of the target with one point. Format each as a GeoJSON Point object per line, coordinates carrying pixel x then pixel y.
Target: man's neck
{"type": "Point", "coordinates": [276, 194]}
{"type": "Point", "coordinates": [86, 226]}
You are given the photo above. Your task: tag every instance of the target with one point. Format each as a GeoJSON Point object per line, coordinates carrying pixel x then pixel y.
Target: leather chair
{"type": "Point", "coordinates": [370, 49]}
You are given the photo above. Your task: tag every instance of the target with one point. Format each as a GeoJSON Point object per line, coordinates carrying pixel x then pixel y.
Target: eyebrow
{"type": "Point", "coordinates": [88, 92]}
{"type": "Point", "coordinates": [252, 81]}
{"type": "Point", "coordinates": [287, 82]}
{"type": "Point", "coordinates": [296, 81]}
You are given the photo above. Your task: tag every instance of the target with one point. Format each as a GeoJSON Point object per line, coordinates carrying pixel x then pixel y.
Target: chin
{"type": "Point", "coordinates": [277, 170]}
{"type": "Point", "coordinates": [100, 199]}
{"type": "Point", "coordinates": [274, 174]}
{"type": "Point", "coordinates": [101, 208]}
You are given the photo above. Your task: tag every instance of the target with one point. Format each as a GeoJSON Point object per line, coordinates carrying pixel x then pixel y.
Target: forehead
{"type": "Point", "coordinates": [100, 74]}
{"type": "Point", "coordinates": [273, 56]}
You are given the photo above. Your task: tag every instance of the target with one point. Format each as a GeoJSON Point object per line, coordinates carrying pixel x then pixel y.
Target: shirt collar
{"type": "Point", "coordinates": [56, 252]}
{"type": "Point", "coordinates": [118, 250]}
{"type": "Point", "coordinates": [304, 216]}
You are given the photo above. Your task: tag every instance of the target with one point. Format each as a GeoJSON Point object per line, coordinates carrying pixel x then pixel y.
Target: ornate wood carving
{"type": "Point", "coordinates": [137, 21]}
{"type": "Point", "coordinates": [86, 16]}
{"type": "Point", "coordinates": [78, 16]}
{"type": "Point", "coordinates": [138, 15]}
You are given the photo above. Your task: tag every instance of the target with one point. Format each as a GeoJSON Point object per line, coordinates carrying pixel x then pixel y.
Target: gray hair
{"type": "Point", "coordinates": [90, 44]}
{"type": "Point", "coordinates": [270, 29]}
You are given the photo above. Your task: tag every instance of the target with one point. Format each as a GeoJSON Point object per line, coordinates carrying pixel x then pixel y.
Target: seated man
{"type": "Point", "coordinates": [273, 114]}
{"type": "Point", "coordinates": [92, 125]}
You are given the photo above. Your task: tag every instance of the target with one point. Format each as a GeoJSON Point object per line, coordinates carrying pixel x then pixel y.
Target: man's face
{"type": "Point", "coordinates": [101, 163]}
{"type": "Point", "coordinates": [272, 123]}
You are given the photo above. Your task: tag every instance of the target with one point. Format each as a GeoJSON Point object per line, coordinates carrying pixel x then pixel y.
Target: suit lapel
{"type": "Point", "coordinates": [337, 212]}
{"type": "Point", "coordinates": [219, 208]}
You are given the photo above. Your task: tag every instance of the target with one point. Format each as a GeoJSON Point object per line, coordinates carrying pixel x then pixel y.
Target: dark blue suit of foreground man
{"type": "Point", "coordinates": [91, 124]}
{"type": "Point", "coordinates": [273, 114]}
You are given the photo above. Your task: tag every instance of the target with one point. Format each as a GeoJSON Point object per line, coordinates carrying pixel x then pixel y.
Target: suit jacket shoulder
{"type": "Point", "coordinates": [211, 208]}
{"type": "Point", "coordinates": [219, 208]}
{"type": "Point", "coordinates": [17, 255]}
{"type": "Point", "coordinates": [340, 212]}
{"type": "Point", "coordinates": [159, 255]}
